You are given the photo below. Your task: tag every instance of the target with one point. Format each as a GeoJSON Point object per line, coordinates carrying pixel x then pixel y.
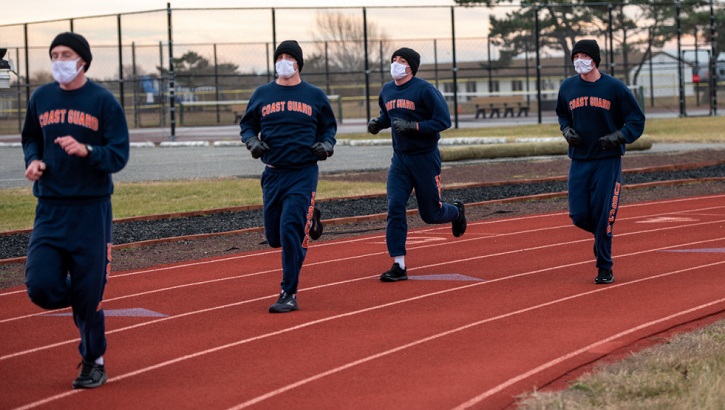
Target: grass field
{"type": "Point", "coordinates": [691, 129]}
{"type": "Point", "coordinates": [687, 372]}
{"type": "Point", "coordinates": [17, 206]}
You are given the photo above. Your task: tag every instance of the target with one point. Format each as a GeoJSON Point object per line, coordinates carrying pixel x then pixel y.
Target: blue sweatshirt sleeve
{"type": "Point", "coordinates": [326, 123]}
{"type": "Point", "coordinates": [562, 111]}
{"type": "Point", "coordinates": [633, 116]}
{"type": "Point", "coordinates": [32, 134]}
{"type": "Point", "coordinates": [250, 123]}
{"type": "Point", "coordinates": [384, 118]}
{"type": "Point", "coordinates": [113, 155]}
{"type": "Point", "coordinates": [440, 119]}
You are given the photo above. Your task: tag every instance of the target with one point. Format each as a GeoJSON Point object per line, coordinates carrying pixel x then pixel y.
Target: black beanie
{"type": "Point", "coordinates": [292, 48]}
{"type": "Point", "coordinates": [588, 47]}
{"type": "Point", "coordinates": [77, 43]}
{"type": "Point", "coordinates": [410, 55]}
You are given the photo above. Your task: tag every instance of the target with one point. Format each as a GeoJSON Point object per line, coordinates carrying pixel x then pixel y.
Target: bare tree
{"type": "Point", "coordinates": [343, 35]}
{"type": "Point", "coordinates": [41, 77]}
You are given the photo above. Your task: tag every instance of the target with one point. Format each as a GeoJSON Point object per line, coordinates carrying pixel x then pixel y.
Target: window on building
{"type": "Point", "coordinates": [471, 89]}
{"type": "Point", "coordinates": [466, 91]}
{"type": "Point", "coordinates": [517, 85]}
{"type": "Point", "coordinates": [448, 91]}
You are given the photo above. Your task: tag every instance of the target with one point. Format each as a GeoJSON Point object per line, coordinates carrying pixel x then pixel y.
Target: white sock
{"type": "Point", "coordinates": [100, 361]}
{"type": "Point", "coordinates": [400, 260]}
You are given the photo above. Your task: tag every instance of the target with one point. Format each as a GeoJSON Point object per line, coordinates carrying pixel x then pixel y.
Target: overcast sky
{"type": "Point", "coordinates": [25, 11]}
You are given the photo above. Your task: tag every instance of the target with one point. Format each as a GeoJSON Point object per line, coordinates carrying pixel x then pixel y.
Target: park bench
{"type": "Point", "coordinates": [238, 110]}
{"type": "Point", "coordinates": [237, 107]}
{"type": "Point", "coordinates": [496, 103]}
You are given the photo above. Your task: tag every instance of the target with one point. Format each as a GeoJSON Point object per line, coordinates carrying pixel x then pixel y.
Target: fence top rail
{"type": "Point", "coordinates": [201, 103]}
{"type": "Point", "coordinates": [234, 102]}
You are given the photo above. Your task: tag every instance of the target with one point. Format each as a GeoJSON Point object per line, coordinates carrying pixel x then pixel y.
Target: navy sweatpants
{"type": "Point", "coordinates": [69, 258]}
{"type": "Point", "coordinates": [594, 196]}
{"type": "Point", "coordinates": [422, 172]}
{"type": "Point", "coordinates": [289, 199]}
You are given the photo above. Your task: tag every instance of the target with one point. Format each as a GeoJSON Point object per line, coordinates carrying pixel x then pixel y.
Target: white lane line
{"type": "Point", "coordinates": [372, 308]}
{"type": "Point", "coordinates": [422, 230]}
{"type": "Point", "coordinates": [481, 322]}
{"type": "Point", "coordinates": [475, 400]}
{"type": "Point", "coordinates": [37, 349]}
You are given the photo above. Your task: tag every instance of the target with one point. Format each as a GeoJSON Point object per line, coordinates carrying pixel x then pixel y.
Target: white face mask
{"type": "Point", "coordinates": [583, 66]}
{"type": "Point", "coordinates": [65, 71]}
{"type": "Point", "coordinates": [397, 70]}
{"type": "Point", "coordinates": [285, 68]}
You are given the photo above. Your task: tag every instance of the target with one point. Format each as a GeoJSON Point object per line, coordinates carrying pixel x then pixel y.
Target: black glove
{"type": "Point", "coordinates": [612, 141]}
{"type": "Point", "coordinates": [256, 147]}
{"type": "Point", "coordinates": [322, 150]}
{"type": "Point", "coordinates": [572, 137]}
{"type": "Point", "coordinates": [374, 126]}
{"type": "Point", "coordinates": [403, 126]}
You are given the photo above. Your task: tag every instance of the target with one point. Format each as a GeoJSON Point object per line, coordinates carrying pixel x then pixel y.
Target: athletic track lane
{"type": "Point", "coordinates": [508, 307]}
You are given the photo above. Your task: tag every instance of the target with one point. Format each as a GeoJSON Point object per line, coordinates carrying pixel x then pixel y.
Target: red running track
{"type": "Point", "coordinates": [509, 307]}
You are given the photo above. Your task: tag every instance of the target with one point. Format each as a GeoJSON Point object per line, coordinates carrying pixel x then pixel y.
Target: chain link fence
{"type": "Point", "coordinates": [192, 67]}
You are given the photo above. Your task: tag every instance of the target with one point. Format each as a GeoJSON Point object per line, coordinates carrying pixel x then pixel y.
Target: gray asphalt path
{"type": "Point", "coordinates": [158, 164]}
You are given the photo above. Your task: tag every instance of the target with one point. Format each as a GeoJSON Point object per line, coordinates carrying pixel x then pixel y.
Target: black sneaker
{"type": "Point", "coordinates": [459, 224]}
{"type": "Point", "coordinates": [92, 375]}
{"type": "Point", "coordinates": [394, 274]}
{"type": "Point", "coordinates": [285, 303]}
{"type": "Point", "coordinates": [605, 276]}
{"type": "Point", "coordinates": [316, 226]}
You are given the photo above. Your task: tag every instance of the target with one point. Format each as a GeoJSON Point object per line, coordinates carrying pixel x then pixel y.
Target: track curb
{"type": "Point", "coordinates": [371, 217]}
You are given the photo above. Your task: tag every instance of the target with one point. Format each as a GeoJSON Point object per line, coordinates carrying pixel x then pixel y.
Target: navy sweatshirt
{"type": "Point", "coordinates": [595, 109]}
{"type": "Point", "coordinates": [416, 100]}
{"type": "Point", "coordinates": [289, 119]}
{"type": "Point", "coordinates": [91, 115]}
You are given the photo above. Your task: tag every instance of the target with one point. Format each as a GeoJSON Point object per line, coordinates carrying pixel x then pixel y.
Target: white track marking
{"type": "Point", "coordinates": [50, 399]}
{"type": "Point", "coordinates": [369, 358]}
{"type": "Point", "coordinates": [378, 253]}
{"type": "Point", "coordinates": [422, 230]}
{"type": "Point", "coordinates": [377, 307]}
{"type": "Point", "coordinates": [481, 322]}
{"type": "Point", "coordinates": [12, 355]}
{"type": "Point", "coordinates": [570, 355]}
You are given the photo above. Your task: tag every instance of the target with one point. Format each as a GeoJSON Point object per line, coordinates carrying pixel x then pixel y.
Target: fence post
{"type": "Point", "coordinates": [339, 107]}
{"type": "Point", "coordinates": [216, 85]}
{"type": "Point", "coordinates": [488, 64]}
{"type": "Point", "coordinates": [27, 64]}
{"type": "Point", "coordinates": [120, 62]}
{"type": "Point", "coordinates": [162, 100]}
{"type": "Point", "coordinates": [651, 73]}
{"type": "Point", "coordinates": [134, 103]}
{"type": "Point", "coordinates": [382, 64]}
{"type": "Point", "coordinates": [269, 58]}
{"type": "Point", "coordinates": [17, 84]}
{"type": "Point", "coordinates": [454, 66]}
{"type": "Point", "coordinates": [680, 74]}
{"type": "Point", "coordinates": [538, 63]}
{"type": "Point", "coordinates": [367, 67]}
{"type": "Point", "coordinates": [435, 61]}
{"type": "Point", "coordinates": [172, 116]}
{"type": "Point", "coordinates": [327, 70]}
{"type": "Point", "coordinates": [611, 41]}
{"type": "Point", "coordinates": [713, 62]}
